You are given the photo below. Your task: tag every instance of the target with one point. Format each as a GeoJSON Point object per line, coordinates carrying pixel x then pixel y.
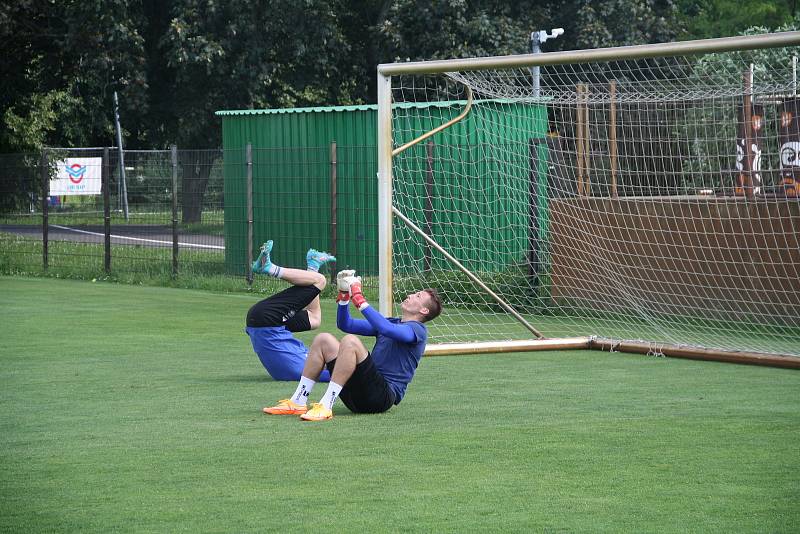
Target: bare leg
{"type": "Point", "coordinates": [314, 313]}
{"type": "Point", "coordinates": [351, 352]}
{"type": "Point", "coordinates": [299, 277]}
{"type": "Point", "coordinates": [323, 349]}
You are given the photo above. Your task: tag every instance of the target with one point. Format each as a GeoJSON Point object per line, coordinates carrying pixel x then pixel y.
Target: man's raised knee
{"type": "Point", "coordinates": [353, 344]}
{"type": "Point", "coordinates": [324, 338]}
{"type": "Point", "coordinates": [320, 281]}
{"type": "Point", "coordinates": [350, 340]}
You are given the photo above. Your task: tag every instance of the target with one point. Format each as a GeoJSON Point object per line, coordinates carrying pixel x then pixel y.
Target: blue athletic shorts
{"type": "Point", "coordinates": [281, 354]}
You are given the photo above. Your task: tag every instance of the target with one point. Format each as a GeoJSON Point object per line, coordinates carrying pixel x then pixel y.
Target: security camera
{"type": "Point", "coordinates": [544, 36]}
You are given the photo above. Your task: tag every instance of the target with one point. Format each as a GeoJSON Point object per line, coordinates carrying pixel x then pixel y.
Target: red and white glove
{"type": "Point", "coordinates": [343, 285]}
{"type": "Point", "coordinates": [355, 293]}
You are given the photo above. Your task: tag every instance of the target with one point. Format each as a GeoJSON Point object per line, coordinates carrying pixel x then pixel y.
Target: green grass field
{"type": "Point", "coordinates": [138, 409]}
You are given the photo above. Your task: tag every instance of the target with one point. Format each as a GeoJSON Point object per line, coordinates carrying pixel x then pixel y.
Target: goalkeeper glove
{"type": "Point", "coordinates": [355, 293]}
{"type": "Point", "coordinates": [343, 285]}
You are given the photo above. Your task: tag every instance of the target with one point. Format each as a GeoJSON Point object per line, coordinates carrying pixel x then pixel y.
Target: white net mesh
{"type": "Point", "coordinates": [645, 200]}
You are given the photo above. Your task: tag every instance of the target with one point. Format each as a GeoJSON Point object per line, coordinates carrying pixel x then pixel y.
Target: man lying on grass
{"type": "Point", "coordinates": [367, 382]}
{"type": "Point", "coordinates": [272, 321]}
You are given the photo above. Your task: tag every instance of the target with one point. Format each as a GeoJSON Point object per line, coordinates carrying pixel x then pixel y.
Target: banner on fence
{"type": "Point", "coordinates": [77, 176]}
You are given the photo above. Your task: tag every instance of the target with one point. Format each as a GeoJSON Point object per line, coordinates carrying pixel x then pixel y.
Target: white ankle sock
{"type": "Point", "coordinates": [274, 270]}
{"type": "Point", "coordinates": [303, 390]}
{"type": "Point", "coordinates": [331, 393]}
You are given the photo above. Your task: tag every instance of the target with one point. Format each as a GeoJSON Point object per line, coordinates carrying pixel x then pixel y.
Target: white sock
{"type": "Point", "coordinates": [274, 270]}
{"type": "Point", "coordinates": [303, 391]}
{"type": "Point", "coordinates": [331, 393]}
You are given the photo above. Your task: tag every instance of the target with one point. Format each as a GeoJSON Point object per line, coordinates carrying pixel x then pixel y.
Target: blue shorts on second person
{"type": "Point", "coordinates": [281, 354]}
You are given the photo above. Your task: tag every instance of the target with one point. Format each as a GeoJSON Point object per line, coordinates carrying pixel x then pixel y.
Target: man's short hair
{"type": "Point", "coordinates": [434, 304]}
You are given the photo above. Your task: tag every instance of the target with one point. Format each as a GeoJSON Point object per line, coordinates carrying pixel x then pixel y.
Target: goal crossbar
{"type": "Point", "coordinates": [700, 46]}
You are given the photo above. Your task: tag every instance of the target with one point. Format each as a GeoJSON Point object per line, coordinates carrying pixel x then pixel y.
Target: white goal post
{"type": "Point", "coordinates": [640, 198]}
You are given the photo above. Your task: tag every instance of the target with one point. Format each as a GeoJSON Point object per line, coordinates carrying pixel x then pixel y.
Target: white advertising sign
{"type": "Point", "coordinates": [77, 176]}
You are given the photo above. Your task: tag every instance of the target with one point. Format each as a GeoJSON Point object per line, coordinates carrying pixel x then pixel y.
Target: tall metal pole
{"type": "Point", "coordinates": [173, 150]}
{"type": "Point", "coordinates": [121, 158]}
{"type": "Point", "coordinates": [106, 180]}
{"type": "Point", "coordinates": [537, 38]}
{"type": "Point", "coordinates": [536, 49]}
{"type": "Point", "coordinates": [45, 176]}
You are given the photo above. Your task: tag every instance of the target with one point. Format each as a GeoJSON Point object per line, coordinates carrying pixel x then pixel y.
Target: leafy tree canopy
{"type": "Point", "coordinates": [175, 62]}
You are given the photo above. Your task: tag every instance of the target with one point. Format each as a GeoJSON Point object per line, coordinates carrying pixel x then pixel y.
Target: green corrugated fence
{"type": "Point", "coordinates": [479, 182]}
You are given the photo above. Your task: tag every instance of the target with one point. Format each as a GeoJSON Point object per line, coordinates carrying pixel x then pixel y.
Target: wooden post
{"type": "Point", "coordinates": [174, 157]}
{"type": "Point", "coordinates": [45, 175]}
{"type": "Point", "coordinates": [334, 207]}
{"type": "Point", "coordinates": [249, 160]}
{"type": "Point", "coordinates": [587, 181]}
{"type": "Point", "coordinates": [612, 136]}
{"type": "Point", "coordinates": [579, 136]}
{"type": "Point", "coordinates": [428, 204]}
{"type": "Point", "coordinates": [748, 135]}
{"type": "Point", "coordinates": [105, 179]}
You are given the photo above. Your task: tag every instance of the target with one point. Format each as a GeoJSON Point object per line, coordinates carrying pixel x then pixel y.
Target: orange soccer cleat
{"type": "Point", "coordinates": [286, 407]}
{"type": "Point", "coordinates": [318, 412]}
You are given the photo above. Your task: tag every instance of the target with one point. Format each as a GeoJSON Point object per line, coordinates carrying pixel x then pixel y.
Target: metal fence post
{"type": "Point", "coordinates": [174, 153]}
{"type": "Point", "coordinates": [106, 185]}
{"type": "Point", "coordinates": [428, 209]}
{"type": "Point", "coordinates": [333, 209]}
{"type": "Point", "coordinates": [534, 244]}
{"type": "Point", "coordinates": [45, 201]}
{"type": "Point", "coordinates": [249, 159]}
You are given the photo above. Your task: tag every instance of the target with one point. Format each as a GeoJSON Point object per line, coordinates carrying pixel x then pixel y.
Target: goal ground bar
{"type": "Point", "coordinates": [634, 347]}
{"type": "Point", "coordinates": [525, 345]}
{"type": "Point", "coordinates": [693, 353]}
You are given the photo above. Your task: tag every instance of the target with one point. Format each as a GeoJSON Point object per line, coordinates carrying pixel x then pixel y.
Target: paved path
{"type": "Point", "coordinates": [133, 234]}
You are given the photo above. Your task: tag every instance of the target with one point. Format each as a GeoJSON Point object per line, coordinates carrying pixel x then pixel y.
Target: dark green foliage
{"type": "Point", "coordinates": [175, 63]}
{"type": "Point", "coordinates": [721, 18]}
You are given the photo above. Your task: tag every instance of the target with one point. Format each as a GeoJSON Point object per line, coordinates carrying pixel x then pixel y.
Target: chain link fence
{"type": "Point", "coordinates": [184, 217]}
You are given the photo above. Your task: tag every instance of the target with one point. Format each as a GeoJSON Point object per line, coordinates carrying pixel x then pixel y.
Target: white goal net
{"type": "Point", "coordinates": [651, 199]}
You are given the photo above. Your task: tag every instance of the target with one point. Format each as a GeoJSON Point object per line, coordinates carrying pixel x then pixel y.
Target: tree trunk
{"type": "Point", "coordinates": [196, 166]}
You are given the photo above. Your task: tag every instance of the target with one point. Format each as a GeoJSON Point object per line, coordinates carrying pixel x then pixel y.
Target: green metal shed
{"type": "Point", "coordinates": [293, 164]}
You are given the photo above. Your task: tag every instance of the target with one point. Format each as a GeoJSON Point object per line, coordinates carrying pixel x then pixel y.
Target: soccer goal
{"type": "Point", "coordinates": [640, 198]}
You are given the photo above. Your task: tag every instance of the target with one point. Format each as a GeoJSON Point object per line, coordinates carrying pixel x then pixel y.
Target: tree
{"type": "Point", "coordinates": [704, 19]}
{"type": "Point", "coordinates": [61, 62]}
{"type": "Point", "coordinates": [241, 54]}
{"type": "Point", "coordinates": [175, 62]}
